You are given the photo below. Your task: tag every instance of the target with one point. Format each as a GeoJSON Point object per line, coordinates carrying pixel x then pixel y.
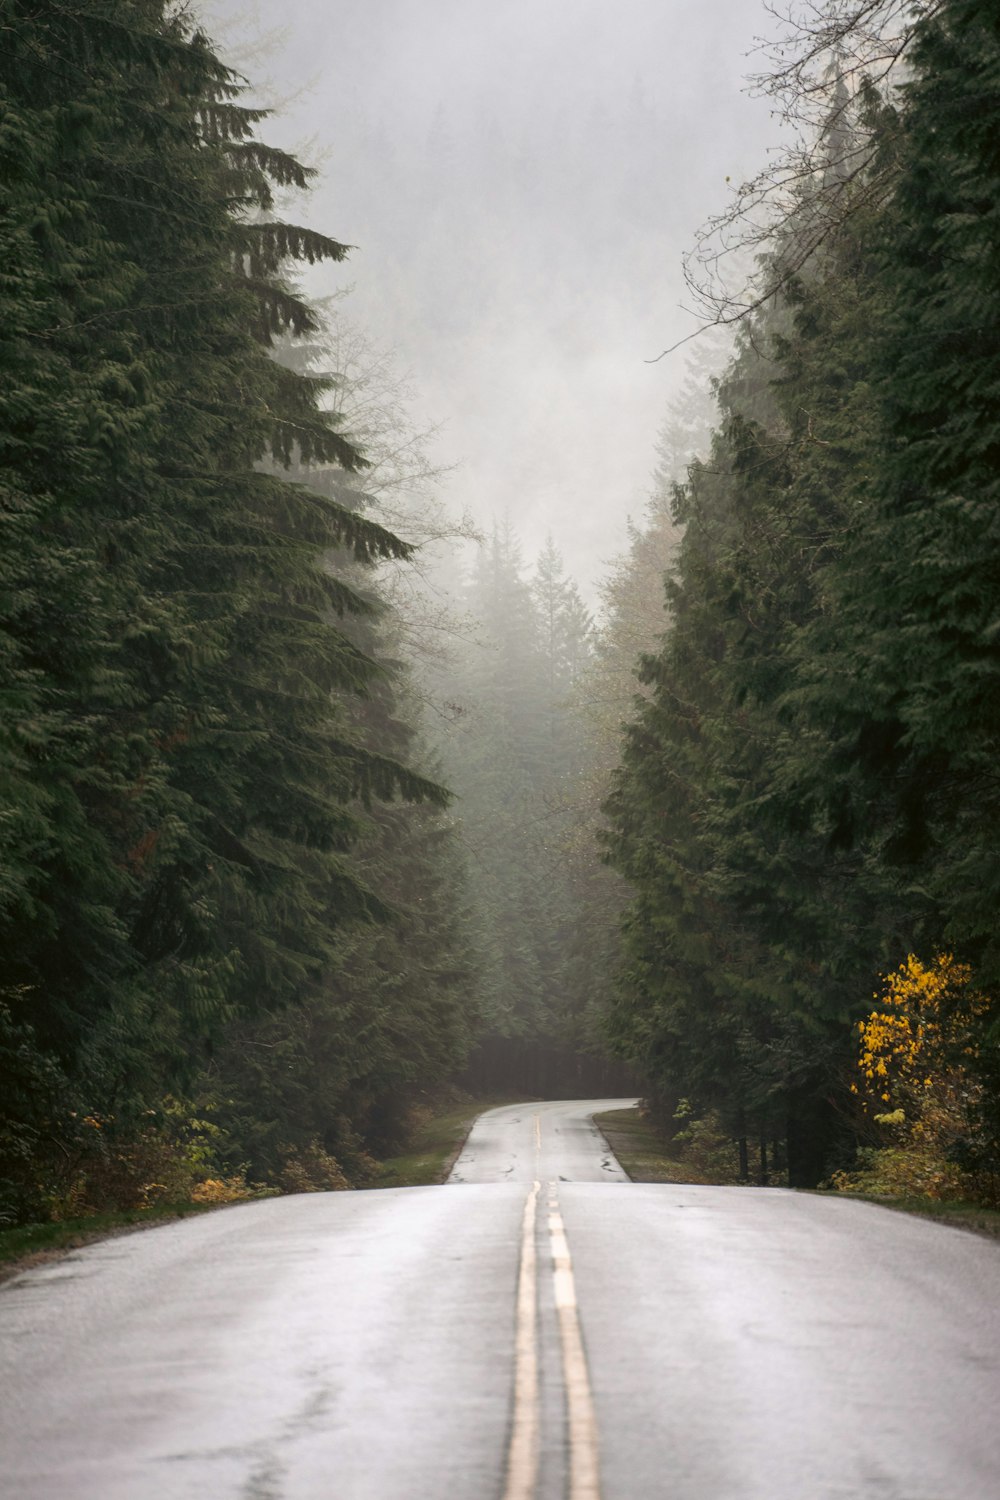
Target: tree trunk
{"type": "Point", "coordinates": [809, 1134]}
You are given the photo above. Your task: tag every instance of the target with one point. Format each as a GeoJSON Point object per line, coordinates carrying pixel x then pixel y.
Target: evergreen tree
{"type": "Point", "coordinates": [918, 591]}
{"type": "Point", "coordinates": [896, 680]}
{"type": "Point", "coordinates": [177, 761]}
{"type": "Point", "coordinates": [514, 756]}
{"type": "Point", "coordinates": [494, 759]}
{"type": "Point", "coordinates": [753, 935]}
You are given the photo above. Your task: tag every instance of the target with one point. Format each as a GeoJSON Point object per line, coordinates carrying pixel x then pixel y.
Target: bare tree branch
{"type": "Point", "coordinates": [826, 58]}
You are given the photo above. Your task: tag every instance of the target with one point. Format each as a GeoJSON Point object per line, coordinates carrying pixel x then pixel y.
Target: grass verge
{"type": "Point", "coordinates": [700, 1152]}
{"type": "Point", "coordinates": [959, 1215]}
{"type": "Point", "coordinates": [641, 1149]}
{"type": "Point", "coordinates": [436, 1145]}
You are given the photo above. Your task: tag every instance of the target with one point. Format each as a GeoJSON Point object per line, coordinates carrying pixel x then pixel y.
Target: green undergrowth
{"type": "Point", "coordinates": [436, 1141]}
{"type": "Point", "coordinates": [698, 1154]}
{"type": "Point", "coordinates": [647, 1157]}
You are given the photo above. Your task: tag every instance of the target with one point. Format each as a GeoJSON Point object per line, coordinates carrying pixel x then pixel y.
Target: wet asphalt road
{"type": "Point", "coordinates": [511, 1336]}
{"type": "Point", "coordinates": [553, 1142]}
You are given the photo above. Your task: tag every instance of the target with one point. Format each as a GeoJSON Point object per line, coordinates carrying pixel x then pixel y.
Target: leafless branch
{"type": "Point", "coordinates": [826, 55]}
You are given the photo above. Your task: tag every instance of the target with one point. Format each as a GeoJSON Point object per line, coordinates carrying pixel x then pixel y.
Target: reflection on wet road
{"type": "Point", "coordinates": [537, 1329]}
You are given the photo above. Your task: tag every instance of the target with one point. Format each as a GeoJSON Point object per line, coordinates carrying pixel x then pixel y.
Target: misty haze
{"type": "Point", "coordinates": [499, 598]}
{"type": "Point", "coordinates": [521, 181]}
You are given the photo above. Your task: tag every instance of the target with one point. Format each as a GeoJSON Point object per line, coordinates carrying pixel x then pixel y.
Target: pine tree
{"type": "Point", "coordinates": [177, 762]}
{"type": "Point", "coordinates": [919, 591]}
{"type": "Point", "coordinates": [514, 756]}
{"type": "Point", "coordinates": [896, 681]}
{"type": "Point", "coordinates": [739, 974]}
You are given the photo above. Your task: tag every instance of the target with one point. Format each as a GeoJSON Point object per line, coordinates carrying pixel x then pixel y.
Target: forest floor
{"type": "Point", "coordinates": [647, 1156]}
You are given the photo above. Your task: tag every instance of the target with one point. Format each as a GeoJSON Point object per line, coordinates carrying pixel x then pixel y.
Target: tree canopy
{"type": "Point", "coordinates": [804, 795]}
{"type": "Point", "coordinates": [183, 777]}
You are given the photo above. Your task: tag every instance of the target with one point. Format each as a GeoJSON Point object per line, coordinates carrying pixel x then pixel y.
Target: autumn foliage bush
{"type": "Point", "coordinates": [175, 1158]}
{"type": "Point", "coordinates": [171, 1159]}
{"type": "Point", "coordinates": [922, 1091]}
{"type": "Point", "coordinates": [65, 1161]}
{"type": "Point", "coordinates": [311, 1169]}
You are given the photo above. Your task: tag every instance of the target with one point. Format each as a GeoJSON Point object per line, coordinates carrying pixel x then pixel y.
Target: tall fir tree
{"type": "Point", "coordinates": [177, 773]}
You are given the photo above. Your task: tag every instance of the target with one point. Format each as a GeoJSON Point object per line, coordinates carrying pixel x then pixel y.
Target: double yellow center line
{"type": "Point", "coordinates": [524, 1448]}
{"type": "Point", "coordinates": [522, 1454]}
{"type": "Point", "coordinates": [584, 1477]}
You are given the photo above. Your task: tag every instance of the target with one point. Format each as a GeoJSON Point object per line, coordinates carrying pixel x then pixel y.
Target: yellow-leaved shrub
{"type": "Point", "coordinates": [917, 1085]}
{"type": "Point", "coordinates": [311, 1169]}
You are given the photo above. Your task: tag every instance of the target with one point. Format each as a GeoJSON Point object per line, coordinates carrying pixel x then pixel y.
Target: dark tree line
{"type": "Point", "coordinates": [808, 789]}
{"type": "Point", "coordinates": [204, 754]}
{"type": "Point", "coordinates": [514, 751]}
{"type": "Point", "coordinates": [241, 930]}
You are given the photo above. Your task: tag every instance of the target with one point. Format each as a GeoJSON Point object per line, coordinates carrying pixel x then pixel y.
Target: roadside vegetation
{"type": "Point", "coordinates": [435, 1133]}
{"type": "Point", "coordinates": [245, 931]}
{"type": "Point", "coordinates": [702, 1153]}
{"type": "Point", "coordinates": [32, 1244]}
{"type": "Point", "coordinates": [691, 1150]}
{"type": "Point", "coordinates": [956, 1213]}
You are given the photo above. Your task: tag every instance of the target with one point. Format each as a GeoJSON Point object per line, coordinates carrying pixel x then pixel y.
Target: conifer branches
{"type": "Point", "coordinates": [190, 632]}
{"type": "Point", "coordinates": [806, 793]}
{"type": "Point", "coordinates": [260, 254]}
{"type": "Point", "coordinates": [255, 167]}
{"type": "Point", "coordinates": [267, 247]}
{"type": "Point", "coordinates": [831, 73]}
{"type": "Point", "coordinates": [222, 123]}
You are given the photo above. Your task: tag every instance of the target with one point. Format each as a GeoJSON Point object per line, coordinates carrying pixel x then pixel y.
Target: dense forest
{"type": "Point", "coordinates": [213, 791]}
{"type": "Point", "coordinates": [806, 808]}
{"type": "Point", "coordinates": [298, 831]}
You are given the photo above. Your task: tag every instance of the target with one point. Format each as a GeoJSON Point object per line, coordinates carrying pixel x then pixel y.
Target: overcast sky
{"type": "Point", "coordinates": [521, 179]}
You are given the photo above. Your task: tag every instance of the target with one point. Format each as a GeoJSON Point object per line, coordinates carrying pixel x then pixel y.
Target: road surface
{"type": "Point", "coordinates": [554, 1142]}
{"type": "Point", "coordinates": [511, 1337]}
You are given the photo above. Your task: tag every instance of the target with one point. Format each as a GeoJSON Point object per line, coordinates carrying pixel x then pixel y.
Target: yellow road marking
{"type": "Point", "coordinates": [522, 1455]}
{"type": "Point", "coordinates": [584, 1472]}
{"type": "Point", "coordinates": [525, 1445]}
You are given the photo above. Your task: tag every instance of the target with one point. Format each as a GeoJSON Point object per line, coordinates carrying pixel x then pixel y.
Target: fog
{"type": "Point", "coordinates": [520, 179]}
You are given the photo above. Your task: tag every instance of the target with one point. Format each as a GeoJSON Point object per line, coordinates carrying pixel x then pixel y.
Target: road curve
{"type": "Point", "coordinates": [555, 1141]}
{"type": "Point", "coordinates": [518, 1339]}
